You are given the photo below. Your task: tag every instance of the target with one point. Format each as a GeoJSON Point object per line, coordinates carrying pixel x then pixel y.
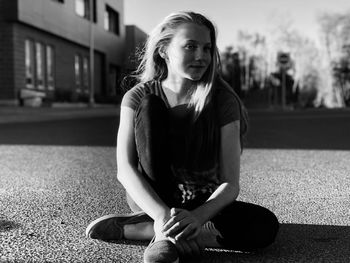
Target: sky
{"type": "Point", "coordinates": [229, 16]}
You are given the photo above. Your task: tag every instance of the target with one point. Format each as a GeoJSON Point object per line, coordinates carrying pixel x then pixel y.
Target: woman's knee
{"type": "Point", "coordinates": [268, 228]}
{"type": "Point", "coordinates": [151, 106]}
{"type": "Point", "coordinates": [151, 119]}
{"type": "Point", "coordinates": [150, 127]}
{"type": "Point", "coordinates": [246, 226]}
{"type": "Point", "coordinates": [264, 227]}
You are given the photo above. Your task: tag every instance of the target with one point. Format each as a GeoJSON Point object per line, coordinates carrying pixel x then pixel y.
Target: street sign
{"type": "Point", "coordinates": [283, 59]}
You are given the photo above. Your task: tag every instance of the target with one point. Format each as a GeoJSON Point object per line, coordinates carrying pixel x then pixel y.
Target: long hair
{"type": "Point", "coordinates": [153, 66]}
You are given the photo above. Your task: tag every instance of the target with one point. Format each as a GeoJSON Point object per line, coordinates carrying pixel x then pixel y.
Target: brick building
{"type": "Point", "coordinates": [44, 49]}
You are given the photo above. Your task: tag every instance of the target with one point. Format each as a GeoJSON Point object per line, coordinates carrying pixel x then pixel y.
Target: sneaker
{"type": "Point", "coordinates": [111, 227]}
{"type": "Point", "coordinates": [162, 251]}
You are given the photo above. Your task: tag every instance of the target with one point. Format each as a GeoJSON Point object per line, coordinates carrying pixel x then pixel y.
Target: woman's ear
{"type": "Point", "coordinates": [162, 53]}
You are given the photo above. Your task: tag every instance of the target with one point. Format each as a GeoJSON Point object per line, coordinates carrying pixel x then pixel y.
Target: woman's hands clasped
{"type": "Point", "coordinates": [183, 224]}
{"type": "Point", "coordinates": [183, 228]}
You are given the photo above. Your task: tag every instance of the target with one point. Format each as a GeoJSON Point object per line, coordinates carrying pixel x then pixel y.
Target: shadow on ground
{"type": "Point", "coordinates": [6, 225]}
{"type": "Point", "coordinates": [294, 243]}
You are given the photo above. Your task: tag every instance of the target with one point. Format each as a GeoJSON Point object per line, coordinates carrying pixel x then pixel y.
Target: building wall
{"type": "Point", "coordinates": [64, 54]}
{"type": "Point", "coordinates": [7, 13]}
{"type": "Point", "coordinates": [61, 19]}
{"type": "Point", "coordinates": [8, 10]}
{"type": "Point", "coordinates": [6, 63]}
{"type": "Point", "coordinates": [136, 39]}
{"type": "Point", "coordinates": [56, 24]}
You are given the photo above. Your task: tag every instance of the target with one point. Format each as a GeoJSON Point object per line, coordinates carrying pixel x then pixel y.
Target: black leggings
{"type": "Point", "coordinates": [243, 226]}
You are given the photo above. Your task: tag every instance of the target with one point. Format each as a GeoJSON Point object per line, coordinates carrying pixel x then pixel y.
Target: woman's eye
{"type": "Point", "coordinates": [190, 46]}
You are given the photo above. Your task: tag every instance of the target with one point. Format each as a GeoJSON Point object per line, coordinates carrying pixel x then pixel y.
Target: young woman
{"type": "Point", "coordinates": [178, 151]}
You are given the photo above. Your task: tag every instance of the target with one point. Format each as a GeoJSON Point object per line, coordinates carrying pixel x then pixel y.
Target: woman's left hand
{"type": "Point", "coordinates": [183, 224]}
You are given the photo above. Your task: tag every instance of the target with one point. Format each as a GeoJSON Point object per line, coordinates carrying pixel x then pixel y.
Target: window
{"type": "Point", "coordinates": [82, 8]}
{"type": "Point", "coordinates": [81, 65]}
{"type": "Point", "coordinates": [86, 74]}
{"type": "Point", "coordinates": [39, 59]}
{"type": "Point", "coordinates": [39, 65]}
{"type": "Point", "coordinates": [77, 68]}
{"type": "Point", "coordinates": [29, 63]}
{"type": "Point", "coordinates": [50, 62]}
{"type": "Point", "coordinates": [113, 87]}
{"type": "Point", "coordinates": [111, 20]}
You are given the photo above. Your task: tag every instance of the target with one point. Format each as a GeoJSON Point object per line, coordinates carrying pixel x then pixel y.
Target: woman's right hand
{"type": "Point", "coordinates": [185, 247]}
{"type": "Point", "coordinates": [183, 224]}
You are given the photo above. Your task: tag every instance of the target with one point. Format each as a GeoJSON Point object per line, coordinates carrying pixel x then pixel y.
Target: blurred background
{"type": "Point", "coordinates": [275, 54]}
{"type": "Point", "coordinates": [63, 65]}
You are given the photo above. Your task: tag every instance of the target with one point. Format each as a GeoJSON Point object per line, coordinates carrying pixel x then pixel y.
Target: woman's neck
{"type": "Point", "coordinates": [177, 90]}
{"type": "Point", "coordinates": [178, 85]}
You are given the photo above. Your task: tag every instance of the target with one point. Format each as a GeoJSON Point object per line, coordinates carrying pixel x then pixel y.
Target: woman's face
{"type": "Point", "coordinates": [188, 53]}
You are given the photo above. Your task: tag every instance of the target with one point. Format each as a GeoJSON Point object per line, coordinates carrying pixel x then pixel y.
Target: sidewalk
{"type": "Point", "coordinates": [12, 114]}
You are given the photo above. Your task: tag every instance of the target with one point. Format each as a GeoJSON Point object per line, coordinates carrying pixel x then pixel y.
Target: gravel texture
{"type": "Point", "coordinates": [49, 194]}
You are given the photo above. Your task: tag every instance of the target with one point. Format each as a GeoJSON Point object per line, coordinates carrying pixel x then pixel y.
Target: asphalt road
{"type": "Point", "coordinates": [58, 175]}
{"type": "Point", "coordinates": [312, 129]}
{"type": "Point", "coordinates": [302, 129]}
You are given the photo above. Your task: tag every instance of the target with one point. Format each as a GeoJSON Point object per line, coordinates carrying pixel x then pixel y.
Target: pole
{"type": "Point", "coordinates": [91, 46]}
{"type": "Point", "coordinates": [283, 88]}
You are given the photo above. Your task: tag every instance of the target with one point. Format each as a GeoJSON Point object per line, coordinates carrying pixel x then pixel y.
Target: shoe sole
{"type": "Point", "coordinates": [176, 261]}
{"type": "Point", "coordinates": [153, 259]}
{"type": "Point", "coordinates": [133, 219]}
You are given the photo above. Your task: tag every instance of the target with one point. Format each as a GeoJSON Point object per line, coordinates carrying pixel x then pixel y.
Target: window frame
{"type": "Point", "coordinates": [29, 50]}
{"type": "Point", "coordinates": [111, 21]}
{"type": "Point", "coordinates": [39, 66]}
{"type": "Point", "coordinates": [86, 9]}
{"type": "Point", "coordinates": [50, 67]}
{"type": "Point", "coordinates": [77, 71]}
{"type": "Point", "coordinates": [86, 74]}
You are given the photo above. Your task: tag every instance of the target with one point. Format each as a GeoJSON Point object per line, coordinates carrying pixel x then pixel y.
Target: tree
{"type": "Point", "coordinates": [252, 50]}
{"type": "Point", "coordinates": [309, 70]}
{"type": "Point", "coordinates": [335, 28]}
